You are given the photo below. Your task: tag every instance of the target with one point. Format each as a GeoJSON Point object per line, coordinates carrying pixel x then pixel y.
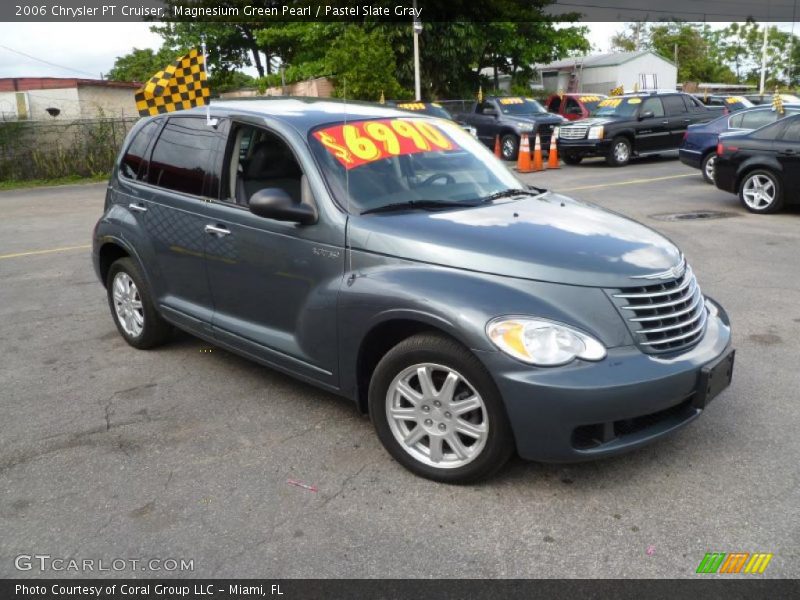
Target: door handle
{"type": "Point", "coordinates": [137, 207]}
{"type": "Point", "coordinates": [216, 230]}
{"type": "Point", "coordinates": [665, 122]}
{"type": "Point", "coordinates": [789, 151]}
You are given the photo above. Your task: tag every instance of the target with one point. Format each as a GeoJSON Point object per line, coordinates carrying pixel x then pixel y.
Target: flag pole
{"type": "Point", "coordinates": [209, 121]}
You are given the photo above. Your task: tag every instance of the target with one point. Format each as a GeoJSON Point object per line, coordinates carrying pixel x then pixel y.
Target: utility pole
{"type": "Point", "coordinates": [764, 60]}
{"type": "Point", "coordinates": [417, 27]}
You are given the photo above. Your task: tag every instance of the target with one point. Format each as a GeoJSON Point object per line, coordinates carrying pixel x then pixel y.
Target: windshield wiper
{"type": "Point", "coordinates": [417, 204]}
{"type": "Point", "coordinates": [512, 192]}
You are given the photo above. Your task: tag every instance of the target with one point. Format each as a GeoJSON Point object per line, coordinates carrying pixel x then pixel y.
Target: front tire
{"type": "Point", "coordinates": [132, 306]}
{"type": "Point", "coordinates": [437, 411]}
{"type": "Point", "coordinates": [620, 154]}
{"type": "Point", "coordinates": [707, 167]}
{"type": "Point", "coordinates": [509, 146]}
{"type": "Point", "coordinates": [761, 192]}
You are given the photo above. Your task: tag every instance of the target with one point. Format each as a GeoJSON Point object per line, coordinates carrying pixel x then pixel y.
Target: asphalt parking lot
{"type": "Point", "coordinates": [185, 452]}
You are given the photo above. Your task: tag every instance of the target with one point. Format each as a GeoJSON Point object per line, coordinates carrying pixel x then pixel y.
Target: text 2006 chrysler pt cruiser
{"type": "Point", "coordinates": [392, 259]}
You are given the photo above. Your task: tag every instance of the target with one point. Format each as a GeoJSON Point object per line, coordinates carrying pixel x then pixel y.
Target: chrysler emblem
{"type": "Point", "coordinates": [674, 273]}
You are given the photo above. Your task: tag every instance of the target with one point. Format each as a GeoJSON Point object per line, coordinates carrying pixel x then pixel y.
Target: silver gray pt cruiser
{"type": "Point", "coordinates": [392, 259]}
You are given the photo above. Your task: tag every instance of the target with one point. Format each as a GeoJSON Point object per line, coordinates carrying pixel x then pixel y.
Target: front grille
{"type": "Point", "coordinates": [664, 317]}
{"type": "Point", "coordinates": [573, 132]}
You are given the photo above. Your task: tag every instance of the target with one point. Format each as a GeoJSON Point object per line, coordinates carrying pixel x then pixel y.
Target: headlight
{"type": "Point", "coordinates": [596, 132]}
{"type": "Point", "coordinates": [541, 342]}
{"type": "Point", "coordinates": [525, 127]}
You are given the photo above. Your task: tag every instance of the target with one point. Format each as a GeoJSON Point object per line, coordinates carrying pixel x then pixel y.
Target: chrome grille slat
{"type": "Point", "coordinates": [697, 300]}
{"type": "Point", "coordinates": [683, 336]}
{"type": "Point", "coordinates": [688, 295]}
{"type": "Point", "coordinates": [664, 315]}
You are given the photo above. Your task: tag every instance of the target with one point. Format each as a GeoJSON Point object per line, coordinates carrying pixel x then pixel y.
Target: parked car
{"type": "Point", "coordinates": [699, 146]}
{"type": "Point", "coordinates": [509, 117]}
{"type": "Point", "coordinates": [393, 260]}
{"type": "Point", "coordinates": [759, 99]}
{"type": "Point", "coordinates": [574, 106]}
{"type": "Point", "coordinates": [761, 166]}
{"type": "Point", "coordinates": [725, 104]}
{"type": "Point", "coordinates": [432, 109]}
{"type": "Point", "coordinates": [631, 125]}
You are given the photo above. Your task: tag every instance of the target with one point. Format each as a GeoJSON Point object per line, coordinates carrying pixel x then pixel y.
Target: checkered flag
{"type": "Point", "coordinates": [182, 85]}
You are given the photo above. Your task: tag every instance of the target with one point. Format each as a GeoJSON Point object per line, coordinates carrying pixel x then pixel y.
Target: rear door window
{"type": "Point", "coordinates": [182, 155]}
{"type": "Point", "coordinates": [758, 118]}
{"type": "Point", "coordinates": [674, 105]}
{"type": "Point", "coordinates": [134, 162]}
{"type": "Point", "coordinates": [792, 131]}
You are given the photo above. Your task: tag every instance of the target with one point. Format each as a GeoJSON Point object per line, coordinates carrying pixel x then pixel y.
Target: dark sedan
{"type": "Point", "coordinates": [762, 166]}
{"type": "Point", "coordinates": [699, 146]}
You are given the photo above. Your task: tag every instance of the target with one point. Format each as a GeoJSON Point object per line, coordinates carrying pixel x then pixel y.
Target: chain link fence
{"type": "Point", "coordinates": [49, 150]}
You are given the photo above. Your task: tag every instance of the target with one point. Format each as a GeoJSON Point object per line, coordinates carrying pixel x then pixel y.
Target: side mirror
{"type": "Point", "coordinates": [648, 114]}
{"type": "Point", "coordinates": [274, 203]}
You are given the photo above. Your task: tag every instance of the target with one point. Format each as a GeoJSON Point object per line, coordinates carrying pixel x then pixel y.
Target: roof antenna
{"type": "Point", "coordinates": [209, 121]}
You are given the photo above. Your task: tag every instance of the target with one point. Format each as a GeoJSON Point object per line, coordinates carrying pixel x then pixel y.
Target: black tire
{"type": "Point", "coordinates": [777, 202]}
{"type": "Point", "coordinates": [571, 159]}
{"type": "Point", "coordinates": [155, 331]}
{"type": "Point", "coordinates": [613, 157]}
{"type": "Point", "coordinates": [437, 349]}
{"type": "Point", "coordinates": [709, 158]}
{"type": "Point", "coordinates": [509, 146]}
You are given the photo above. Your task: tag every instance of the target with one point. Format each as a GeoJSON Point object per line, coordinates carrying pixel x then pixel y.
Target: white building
{"type": "Point", "coordinates": [600, 73]}
{"type": "Point", "coordinates": [48, 98]}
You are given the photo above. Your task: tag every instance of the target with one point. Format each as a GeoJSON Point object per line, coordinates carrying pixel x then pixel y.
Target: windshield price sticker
{"type": "Point", "coordinates": [363, 142]}
{"type": "Point", "coordinates": [734, 100]}
{"type": "Point", "coordinates": [412, 106]}
{"type": "Point", "coordinates": [612, 102]}
{"type": "Point", "coordinates": [635, 101]}
{"type": "Point", "coordinates": [512, 101]}
{"type": "Point", "coordinates": [590, 98]}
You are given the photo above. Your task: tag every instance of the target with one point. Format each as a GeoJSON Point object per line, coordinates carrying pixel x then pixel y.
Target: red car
{"type": "Point", "coordinates": [574, 106]}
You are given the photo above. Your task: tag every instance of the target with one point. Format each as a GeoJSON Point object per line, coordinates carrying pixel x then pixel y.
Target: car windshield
{"type": "Point", "coordinates": [619, 106]}
{"type": "Point", "coordinates": [426, 108]}
{"type": "Point", "coordinates": [369, 164]}
{"type": "Point", "coordinates": [520, 106]}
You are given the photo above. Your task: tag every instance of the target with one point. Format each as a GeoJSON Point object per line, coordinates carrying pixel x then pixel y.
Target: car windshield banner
{"type": "Point", "coordinates": [361, 142]}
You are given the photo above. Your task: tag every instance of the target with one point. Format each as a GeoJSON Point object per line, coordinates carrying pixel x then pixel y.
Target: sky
{"type": "Point", "coordinates": [89, 49]}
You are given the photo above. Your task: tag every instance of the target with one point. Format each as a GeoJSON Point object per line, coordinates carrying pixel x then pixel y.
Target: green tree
{"type": "Point", "coordinates": [362, 64]}
{"type": "Point", "coordinates": [689, 43]}
{"type": "Point", "coordinates": [141, 64]}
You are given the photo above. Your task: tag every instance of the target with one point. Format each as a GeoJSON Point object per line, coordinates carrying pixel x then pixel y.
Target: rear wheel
{"type": "Point", "coordinates": [571, 159]}
{"type": "Point", "coordinates": [761, 192]}
{"type": "Point", "coordinates": [509, 146]}
{"type": "Point", "coordinates": [437, 411]}
{"type": "Point", "coordinates": [707, 167]}
{"type": "Point", "coordinates": [620, 154]}
{"type": "Point", "coordinates": [132, 306]}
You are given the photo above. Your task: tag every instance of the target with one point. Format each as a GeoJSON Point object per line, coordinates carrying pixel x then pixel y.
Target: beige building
{"type": "Point", "coordinates": [57, 98]}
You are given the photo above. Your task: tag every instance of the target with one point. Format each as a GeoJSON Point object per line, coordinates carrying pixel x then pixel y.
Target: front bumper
{"type": "Point", "coordinates": [589, 410]}
{"type": "Point", "coordinates": [584, 147]}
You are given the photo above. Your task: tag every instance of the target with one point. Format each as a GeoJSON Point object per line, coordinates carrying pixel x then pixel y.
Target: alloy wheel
{"type": "Point", "coordinates": [437, 416]}
{"type": "Point", "coordinates": [709, 168]}
{"type": "Point", "coordinates": [621, 152]}
{"type": "Point", "coordinates": [128, 304]}
{"type": "Point", "coordinates": [758, 192]}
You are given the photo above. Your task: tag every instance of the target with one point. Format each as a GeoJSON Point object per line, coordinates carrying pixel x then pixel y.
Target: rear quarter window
{"type": "Point", "coordinates": [182, 155]}
{"type": "Point", "coordinates": [134, 161]}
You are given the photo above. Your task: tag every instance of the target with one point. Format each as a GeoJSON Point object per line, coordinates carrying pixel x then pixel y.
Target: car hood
{"type": "Point", "coordinates": [592, 121]}
{"type": "Point", "coordinates": [546, 238]}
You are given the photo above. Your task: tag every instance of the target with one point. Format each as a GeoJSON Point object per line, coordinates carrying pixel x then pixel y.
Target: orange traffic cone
{"type": "Point", "coordinates": [497, 147]}
{"type": "Point", "coordinates": [552, 157]}
{"type": "Point", "coordinates": [524, 155]}
{"type": "Point", "coordinates": [537, 154]}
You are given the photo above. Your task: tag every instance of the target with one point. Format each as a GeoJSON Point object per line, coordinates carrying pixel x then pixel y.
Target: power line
{"type": "Point", "coordinates": [47, 62]}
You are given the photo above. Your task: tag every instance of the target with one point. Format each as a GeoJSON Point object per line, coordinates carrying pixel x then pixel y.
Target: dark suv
{"type": "Point", "coordinates": [392, 259]}
{"type": "Point", "coordinates": [632, 125]}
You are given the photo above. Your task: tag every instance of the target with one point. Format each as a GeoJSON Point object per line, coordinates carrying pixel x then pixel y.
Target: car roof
{"type": "Point", "coordinates": [304, 114]}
